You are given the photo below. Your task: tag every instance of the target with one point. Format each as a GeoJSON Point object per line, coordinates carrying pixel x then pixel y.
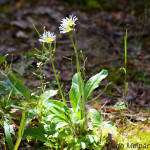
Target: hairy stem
{"type": "Point", "coordinates": [56, 76]}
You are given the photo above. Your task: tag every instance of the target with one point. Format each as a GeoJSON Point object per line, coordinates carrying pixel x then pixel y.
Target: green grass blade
{"type": "Point", "coordinates": [8, 135]}
{"type": "Point", "coordinates": [16, 107]}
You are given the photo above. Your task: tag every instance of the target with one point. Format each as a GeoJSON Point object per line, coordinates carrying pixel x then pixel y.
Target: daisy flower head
{"type": "Point", "coordinates": [47, 37]}
{"type": "Point", "coordinates": [68, 24]}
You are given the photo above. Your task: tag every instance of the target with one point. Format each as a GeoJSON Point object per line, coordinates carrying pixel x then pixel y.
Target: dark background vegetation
{"type": "Point", "coordinates": [100, 30]}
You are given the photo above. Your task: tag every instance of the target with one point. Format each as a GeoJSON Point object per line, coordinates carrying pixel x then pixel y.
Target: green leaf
{"type": "Point", "coordinates": [55, 103]}
{"type": "Point", "coordinates": [103, 124]}
{"type": "Point", "coordinates": [2, 59]}
{"type": "Point", "coordinates": [59, 121]}
{"type": "Point", "coordinates": [74, 93]}
{"type": "Point", "coordinates": [49, 103]}
{"type": "Point", "coordinates": [94, 82]}
{"type": "Point", "coordinates": [36, 133]}
{"type": "Point", "coordinates": [75, 118]}
{"type": "Point", "coordinates": [60, 133]}
{"type": "Point", "coordinates": [6, 85]}
{"type": "Point", "coordinates": [75, 79]}
{"type": "Point", "coordinates": [96, 115]}
{"type": "Point", "coordinates": [8, 135]}
{"type": "Point", "coordinates": [17, 107]}
{"type": "Point", "coordinates": [33, 113]}
{"type": "Point", "coordinates": [107, 124]}
{"type": "Point", "coordinates": [20, 87]}
{"type": "Point", "coordinates": [90, 138]}
{"type": "Point", "coordinates": [50, 117]}
{"type": "Point", "coordinates": [123, 69]}
{"type": "Point", "coordinates": [54, 111]}
{"type": "Point", "coordinates": [96, 139]}
{"type": "Point", "coordinates": [57, 106]}
{"type": "Point", "coordinates": [86, 120]}
{"type": "Point", "coordinates": [47, 94]}
{"type": "Point", "coordinates": [59, 113]}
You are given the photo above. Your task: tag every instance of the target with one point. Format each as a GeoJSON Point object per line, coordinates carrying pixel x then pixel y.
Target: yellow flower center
{"type": "Point", "coordinates": [48, 40]}
{"type": "Point", "coordinates": [68, 29]}
{"type": "Point", "coordinates": [70, 23]}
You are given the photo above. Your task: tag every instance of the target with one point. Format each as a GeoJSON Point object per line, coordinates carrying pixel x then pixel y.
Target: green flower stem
{"type": "Point", "coordinates": [41, 78]}
{"type": "Point", "coordinates": [21, 129]}
{"type": "Point", "coordinates": [125, 59]}
{"type": "Point", "coordinates": [82, 85]}
{"type": "Point", "coordinates": [18, 142]}
{"type": "Point", "coordinates": [78, 70]}
{"type": "Point", "coordinates": [41, 73]}
{"type": "Point", "coordinates": [58, 83]}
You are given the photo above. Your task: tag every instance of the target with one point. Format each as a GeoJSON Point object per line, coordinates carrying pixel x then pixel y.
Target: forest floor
{"type": "Point", "coordinates": [100, 35]}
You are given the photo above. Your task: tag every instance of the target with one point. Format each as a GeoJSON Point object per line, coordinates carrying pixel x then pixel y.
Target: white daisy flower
{"type": "Point", "coordinates": [47, 37]}
{"type": "Point", "coordinates": [64, 28]}
{"type": "Point", "coordinates": [68, 24]}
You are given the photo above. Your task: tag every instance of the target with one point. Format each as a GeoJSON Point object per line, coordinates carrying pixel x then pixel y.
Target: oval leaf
{"type": "Point", "coordinates": [47, 94]}
{"type": "Point", "coordinates": [74, 96]}
{"type": "Point", "coordinates": [74, 92]}
{"type": "Point", "coordinates": [94, 82]}
{"type": "Point", "coordinates": [96, 115]}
